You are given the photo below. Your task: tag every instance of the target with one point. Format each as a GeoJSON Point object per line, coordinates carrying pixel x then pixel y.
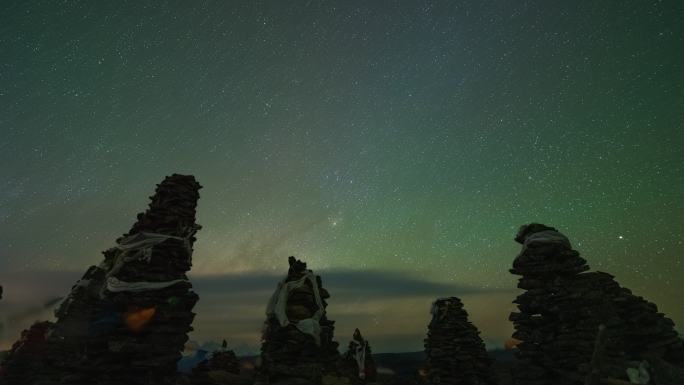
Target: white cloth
{"type": "Point", "coordinates": [139, 246]}
{"type": "Point", "coordinates": [547, 236]}
{"type": "Point", "coordinates": [360, 357]}
{"type": "Point", "coordinates": [115, 285]}
{"type": "Point", "coordinates": [434, 309]}
{"type": "Point", "coordinates": [277, 306]}
{"type": "Point", "coordinates": [639, 375]}
{"type": "Point", "coordinates": [143, 242]}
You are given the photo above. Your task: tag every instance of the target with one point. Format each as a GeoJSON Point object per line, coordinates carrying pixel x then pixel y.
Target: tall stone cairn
{"type": "Point", "coordinates": [359, 365]}
{"type": "Point", "coordinates": [562, 308]}
{"type": "Point", "coordinates": [456, 355]}
{"type": "Point", "coordinates": [126, 321]}
{"type": "Point", "coordinates": [298, 349]}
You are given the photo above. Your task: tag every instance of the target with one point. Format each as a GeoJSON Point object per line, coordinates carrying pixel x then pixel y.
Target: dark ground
{"type": "Point", "coordinates": [403, 368]}
{"type": "Point", "coordinates": [394, 368]}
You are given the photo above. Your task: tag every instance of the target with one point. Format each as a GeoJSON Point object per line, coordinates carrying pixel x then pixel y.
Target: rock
{"type": "Point", "coordinates": [27, 355]}
{"type": "Point", "coordinates": [358, 360]}
{"type": "Point", "coordinates": [220, 364]}
{"type": "Point", "coordinates": [456, 355]}
{"type": "Point", "coordinates": [336, 380]}
{"type": "Point", "coordinates": [298, 346]}
{"type": "Point", "coordinates": [222, 367]}
{"type": "Point", "coordinates": [127, 319]}
{"type": "Point", "coordinates": [561, 310]}
{"type": "Point", "coordinates": [224, 360]}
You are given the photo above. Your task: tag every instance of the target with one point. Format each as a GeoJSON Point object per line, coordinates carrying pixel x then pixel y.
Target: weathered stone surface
{"type": "Point", "coordinates": [222, 367]}
{"type": "Point", "coordinates": [561, 310]}
{"type": "Point", "coordinates": [290, 355]}
{"type": "Point", "coordinates": [358, 362]}
{"type": "Point", "coordinates": [126, 320]}
{"type": "Point", "coordinates": [456, 355]}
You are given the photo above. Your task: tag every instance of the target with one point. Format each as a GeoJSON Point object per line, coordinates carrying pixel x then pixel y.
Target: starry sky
{"type": "Point", "coordinates": [395, 146]}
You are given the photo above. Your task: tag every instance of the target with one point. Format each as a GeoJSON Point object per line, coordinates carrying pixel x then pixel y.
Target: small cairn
{"type": "Point", "coordinates": [359, 359]}
{"type": "Point", "coordinates": [225, 360]}
{"type": "Point", "coordinates": [297, 342]}
{"type": "Point", "coordinates": [566, 313]}
{"type": "Point", "coordinates": [26, 355]}
{"type": "Point", "coordinates": [456, 355]}
{"type": "Point", "coordinates": [127, 319]}
{"type": "Point", "coordinates": [221, 367]}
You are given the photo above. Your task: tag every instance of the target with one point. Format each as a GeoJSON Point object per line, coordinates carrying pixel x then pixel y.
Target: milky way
{"type": "Point", "coordinates": [411, 138]}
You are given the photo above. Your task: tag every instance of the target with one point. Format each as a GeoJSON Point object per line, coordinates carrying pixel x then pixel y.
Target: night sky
{"type": "Point", "coordinates": [396, 146]}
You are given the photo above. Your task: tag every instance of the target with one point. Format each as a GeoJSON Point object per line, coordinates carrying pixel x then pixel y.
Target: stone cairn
{"type": "Point", "coordinates": [225, 361]}
{"type": "Point", "coordinates": [455, 352]}
{"type": "Point", "coordinates": [126, 320]}
{"type": "Point", "coordinates": [223, 365]}
{"type": "Point", "coordinates": [564, 307]}
{"type": "Point", "coordinates": [26, 355]}
{"type": "Point", "coordinates": [359, 359]}
{"type": "Point", "coordinates": [297, 342]}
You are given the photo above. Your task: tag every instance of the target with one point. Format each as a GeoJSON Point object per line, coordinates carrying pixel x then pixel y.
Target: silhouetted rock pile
{"type": "Point", "coordinates": [26, 355]}
{"type": "Point", "coordinates": [359, 359]}
{"type": "Point", "coordinates": [126, 320]}
{"type": "Point", "coordinates": [224, 360]}
{"type": "Point", "coordinates": [562, 308]}
{"type": "Point", "coordinates": [297, 343]}
{"type": "Point", "coordinates": [455, 351]}
{"type": "Point", "coordinates": [222, 367]}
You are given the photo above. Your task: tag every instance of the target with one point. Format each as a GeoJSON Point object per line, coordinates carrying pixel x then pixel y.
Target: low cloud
{"type": "Point", "coordinates": [365, 283]}
{"type": "Point", "coordinates": [391, 308]}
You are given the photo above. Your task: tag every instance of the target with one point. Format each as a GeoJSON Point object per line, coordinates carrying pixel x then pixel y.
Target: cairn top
{"type": "Point", "coordinates": [526, 230]}
{"type": "Point", "coordinates": [172, 208]}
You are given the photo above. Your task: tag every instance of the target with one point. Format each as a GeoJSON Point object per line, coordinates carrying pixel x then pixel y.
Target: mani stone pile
{"type": "Point", "coordinates": [562, 308]}
{"type": "Point", "coordinates": [222, 367]}
{"type": "Point", "coordinates": [126, 320]}
{"type": "Point", "coordinates": [358, 360]}
{"type": "Point", "coordinates": [455, 352]}
{"type": "Point", "coordinates": [297, 341]}
{"type": "Point", "coordinates": [26, 355]}
{"type": "Point", "coordinates": [225, 361]}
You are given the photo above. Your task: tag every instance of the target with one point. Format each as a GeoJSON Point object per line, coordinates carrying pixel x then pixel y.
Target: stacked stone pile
{"type": "Point", "coordinates": [455, 352]}
{"type": "Point", "coordinates": [223, 365]}
{"type": "Point", "coordinates": [224, 360]}
{"type": "Point", "coordinates": [359, 359]}
{"type": "Point", "coordinates": [26, 355]}
{"type": "Point", "coordinates": [297, 343]}
{"type": "Point", "coordinates": [562, 308]}
{"type": "Point", "coordinates": [126, 320]}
